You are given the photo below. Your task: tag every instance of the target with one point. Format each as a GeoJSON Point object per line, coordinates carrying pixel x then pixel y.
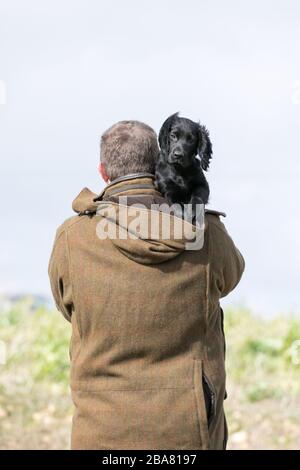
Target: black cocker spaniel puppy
{"type": "Point", "coordinates": [185, 151]}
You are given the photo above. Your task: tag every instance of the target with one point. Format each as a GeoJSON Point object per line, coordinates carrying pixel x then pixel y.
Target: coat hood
{"type": "Point", "coordinates": [147, 236]}
{"type": "Point", "coordinates": [139, 224]}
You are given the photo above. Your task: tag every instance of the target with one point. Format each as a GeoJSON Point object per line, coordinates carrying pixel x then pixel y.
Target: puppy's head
{"type": "Point", "coordinates": [181, 139]}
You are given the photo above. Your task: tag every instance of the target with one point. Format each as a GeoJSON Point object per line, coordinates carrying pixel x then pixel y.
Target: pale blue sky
{"type": "Point", "coordinates": [73, 68]}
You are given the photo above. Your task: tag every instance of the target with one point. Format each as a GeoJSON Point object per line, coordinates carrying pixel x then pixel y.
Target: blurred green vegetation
{"type": "Point", "coordinates": [262, 363]}
{"type": "Point", "coordinates": [263, 355]}
{"type": "Point", "coordinates": [39, 338]}
{"type": "Point", "coordinates": [35, 406]}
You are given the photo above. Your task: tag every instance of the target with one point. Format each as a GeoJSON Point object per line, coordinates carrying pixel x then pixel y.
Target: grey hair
{"type": "Point", "coordinates": [128, 147]}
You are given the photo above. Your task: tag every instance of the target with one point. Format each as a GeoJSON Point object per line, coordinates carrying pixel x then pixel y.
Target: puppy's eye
{"type": "Point", "coordinates": [189, 138]}
{"type": "Point", "coordinates": [173, 136]}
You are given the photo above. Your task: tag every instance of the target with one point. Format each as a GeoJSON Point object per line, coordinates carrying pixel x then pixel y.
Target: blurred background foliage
{"type": "Point", "coordinates": [262, 362]}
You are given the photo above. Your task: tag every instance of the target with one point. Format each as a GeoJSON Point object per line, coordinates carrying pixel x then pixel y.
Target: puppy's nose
{"type": "Point", "coordinates": [178, 154]}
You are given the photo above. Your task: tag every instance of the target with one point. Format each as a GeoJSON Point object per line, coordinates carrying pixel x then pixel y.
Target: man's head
{"type": "Point", "coordinates": [128, 147]}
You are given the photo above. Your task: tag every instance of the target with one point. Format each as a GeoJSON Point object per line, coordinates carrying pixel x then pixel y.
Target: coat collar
{"type": "Point", "coordinates": [137, 183]}
{"type": "Point", "coordinates": [87, 202]}
{"type": "Point", "coordinates": [134, 181]}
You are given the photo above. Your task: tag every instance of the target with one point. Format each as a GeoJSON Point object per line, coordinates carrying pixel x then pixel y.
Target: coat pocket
{"type": "Point", "coordinates": [205, 402]}
{"type": "Point", "coordinates": [210, 399]}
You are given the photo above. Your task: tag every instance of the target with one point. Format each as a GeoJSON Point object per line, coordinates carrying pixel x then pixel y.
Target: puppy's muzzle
{"type": "Point", "coordinates": [176, 157]}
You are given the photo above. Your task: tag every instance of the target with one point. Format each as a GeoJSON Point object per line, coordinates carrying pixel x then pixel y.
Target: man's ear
{"type": "Point", "coordinates": [103, 173]}
{"type": "Point", "coordinates": [204, 147]}
{"type": "Point", "coordinates": [163, 137]}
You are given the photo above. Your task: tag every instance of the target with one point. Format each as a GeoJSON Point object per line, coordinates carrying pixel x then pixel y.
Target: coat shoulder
{"type": "Point", "coordinates": [213, 219]}
{"type": "Point", "coordinates": [216, 213]}
{"type": "Point", "coordinates": [67, 224]}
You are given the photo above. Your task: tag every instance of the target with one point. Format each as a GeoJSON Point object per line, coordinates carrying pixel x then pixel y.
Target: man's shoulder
{"type": "Point", "coordinates": [214, 212]}
{"type": "Point", "coordinates": [67, 225]}
{"type": "Point", "coordinates": [84, 205]}
{"type": "Point", "coordinates": [213, 220]}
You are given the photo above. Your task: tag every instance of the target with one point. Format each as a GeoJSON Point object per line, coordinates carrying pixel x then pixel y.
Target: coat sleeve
{"type": "Point", "coordinates": [59, 274]}
{"type": "Point", "coordinates": [226, 261]}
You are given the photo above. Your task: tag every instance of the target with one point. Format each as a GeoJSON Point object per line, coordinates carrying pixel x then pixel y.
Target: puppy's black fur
{"type": "Point", "coordinates": [179, 172]}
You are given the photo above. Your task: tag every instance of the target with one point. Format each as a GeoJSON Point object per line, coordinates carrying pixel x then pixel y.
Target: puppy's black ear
{"type": "Point", "coordinates": [163, 136]}
{"type": "Point", "coordinates": [204, 147]}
